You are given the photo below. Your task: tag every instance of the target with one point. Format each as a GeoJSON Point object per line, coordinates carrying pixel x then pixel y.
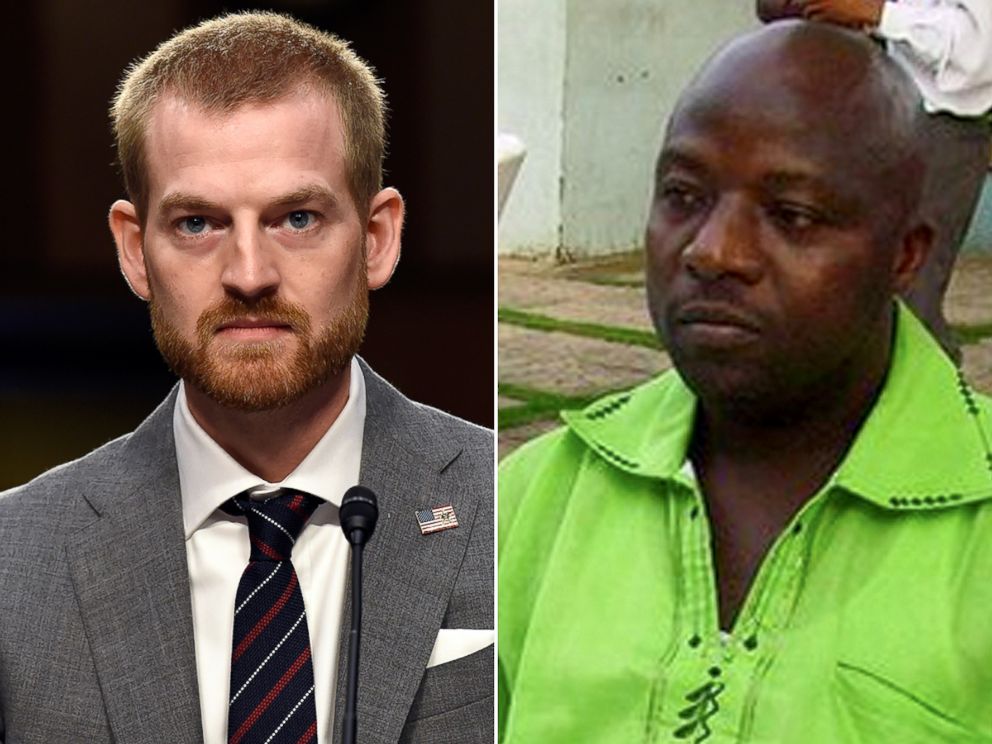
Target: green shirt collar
{"type": "Point", "coordinates": [925, 444]}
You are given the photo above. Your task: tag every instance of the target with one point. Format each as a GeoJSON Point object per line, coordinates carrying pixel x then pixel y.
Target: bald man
{"type": "Point", "coordinates": [789, 537]}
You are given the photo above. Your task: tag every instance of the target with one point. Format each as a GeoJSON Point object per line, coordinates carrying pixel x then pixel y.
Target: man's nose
{"type": "Point", "coordinates": [250, 267]}
{"type": "Point", "coordinates": [726, 243]}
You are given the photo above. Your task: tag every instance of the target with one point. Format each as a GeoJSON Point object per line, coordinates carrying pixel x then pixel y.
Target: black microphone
{"type": "Point", "coordinates": [358, 514]}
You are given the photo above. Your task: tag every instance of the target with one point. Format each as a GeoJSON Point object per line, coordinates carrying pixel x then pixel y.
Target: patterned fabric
{"type": "Point", "coordinates": [272, 688]}
{"type": "Point", "coordinates": [868, 620]}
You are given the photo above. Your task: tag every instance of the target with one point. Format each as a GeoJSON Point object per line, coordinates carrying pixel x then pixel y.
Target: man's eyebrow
{"type": "Point", "coordinates": [793, 179]}
{"type": "Point", "coordinates": [309, 193]}
{"type": "Point", "coordinates": [819, 185]}
{"type": "Point", "coordinates": [676, 158]}
{"type": "Point", "coordinates": [828, 192]}
{"type": "Point", "coordinates": [790, 177]}
{"type": "Point", "coordinates": [178, 201]}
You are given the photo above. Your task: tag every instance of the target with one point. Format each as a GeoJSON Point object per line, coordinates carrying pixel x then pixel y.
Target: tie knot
{"type": "Point", "coordinates": [275, 523]}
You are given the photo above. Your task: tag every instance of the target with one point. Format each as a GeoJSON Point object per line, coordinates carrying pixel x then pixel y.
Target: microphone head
{"type": "Point", "coordinates": [358, 514]}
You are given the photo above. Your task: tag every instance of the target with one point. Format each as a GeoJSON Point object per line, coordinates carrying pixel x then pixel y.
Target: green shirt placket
{"type": "Point", "coordinates": [714, 677]}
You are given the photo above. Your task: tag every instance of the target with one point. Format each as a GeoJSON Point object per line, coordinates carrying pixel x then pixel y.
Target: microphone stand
{"type": "Point", "coordinates": [358, 514]}
{"type": "Point", "coordinates": [354, 640]}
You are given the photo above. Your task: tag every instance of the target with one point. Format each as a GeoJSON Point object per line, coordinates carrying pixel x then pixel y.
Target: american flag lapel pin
{"type": "Point", "coordinates": [436, 519]}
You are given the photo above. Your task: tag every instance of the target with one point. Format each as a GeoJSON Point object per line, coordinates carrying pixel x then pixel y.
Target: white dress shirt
{"type": "Point", "coordinates": [946, 45]}
{"type": "Point", "coordinates": [217, 550]}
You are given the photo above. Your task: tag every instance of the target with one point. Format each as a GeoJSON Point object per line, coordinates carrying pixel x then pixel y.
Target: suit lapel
{"type": "Point", "coordinates": [407, 576]}
{"type": "Point", "coordinates": [132, 585]}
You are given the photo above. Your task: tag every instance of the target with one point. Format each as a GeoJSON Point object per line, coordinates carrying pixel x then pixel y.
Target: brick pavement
{"type": "Point", "coordinates": [571, 299]}
{"type": "Point", "coordinates": [572, 365]}
{"type": "Point", "coordinates": [560, 362]}
{"type": "Point", "coordinates": [977, 365]}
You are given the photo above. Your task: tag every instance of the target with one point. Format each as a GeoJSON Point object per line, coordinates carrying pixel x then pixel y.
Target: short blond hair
{"type": "Point", "coordinates": [254, 57]}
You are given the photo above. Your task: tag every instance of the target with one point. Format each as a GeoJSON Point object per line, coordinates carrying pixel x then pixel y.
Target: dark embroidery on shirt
{"type": "Point", "coordinates": [967, 394]}
{"type": "Point", "coordinates": [972, 406]}
{"type": "Point", "coordinates": [609, 408]}
{"type": "Point", "coordinates": [616, 457]}
{"type": "Point", "coordinates": [703, 705]}
{"type": "Point", "coordinates": [940, 499]}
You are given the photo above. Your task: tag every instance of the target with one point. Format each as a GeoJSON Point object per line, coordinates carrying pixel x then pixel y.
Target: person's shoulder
{"type": "Point", "coordinates": [616, 420]}
{"type": "Point", "coordinates": [611, 434]}
{"type": "Point", "coordinates": [53, 501]}
{"type": "Point", "coordinates": [539, 473]}
{"type": "Point", "coordinates": [556, 448]}
{"type": "Point", "coordinates": [472, 436]}
{"type": "Point", "coordinates": [391, 414]}
{"type": "Point", "coordinates": [53, 483]}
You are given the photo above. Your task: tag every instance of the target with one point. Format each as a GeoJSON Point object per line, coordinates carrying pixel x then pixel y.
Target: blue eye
{"type": "Point", "coordinates": [193, 225]}
{"type": "Point", "coordinates": [299, 220]}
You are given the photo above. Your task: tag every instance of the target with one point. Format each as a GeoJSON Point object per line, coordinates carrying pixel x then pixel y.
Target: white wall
{"type": "Point", "coordinates": [531, 50]}
{"type": "Point", "coordinates": [624, 64]}
{"type": "Point", "coordinates": [627, 62]}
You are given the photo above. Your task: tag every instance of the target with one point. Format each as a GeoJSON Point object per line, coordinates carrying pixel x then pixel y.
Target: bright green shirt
{"type": "Point", "coordinates": [870, 619]}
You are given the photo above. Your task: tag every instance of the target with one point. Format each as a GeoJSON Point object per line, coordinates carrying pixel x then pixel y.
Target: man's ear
{"type": "Point", "coordinates": [126, 227]}
{"type": "Point", "coordinates": [911, 256]}
{"type": "Point", "coordinates": [382, 236]}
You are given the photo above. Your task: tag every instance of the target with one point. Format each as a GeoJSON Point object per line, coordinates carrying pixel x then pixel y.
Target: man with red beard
{"type": "Point", "coordinates": [186, 582]}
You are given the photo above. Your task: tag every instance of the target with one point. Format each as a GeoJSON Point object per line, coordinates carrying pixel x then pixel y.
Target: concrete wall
{"type": "Point", "coordinates": [531, 39]}
{"type": "Point", "coordinates": [588, 85]}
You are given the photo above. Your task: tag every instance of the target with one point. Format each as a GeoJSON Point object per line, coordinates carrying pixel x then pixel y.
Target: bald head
{"type": "Point", "coordinates": [836, 90]}
{"type": "Point", "coordinates": [784, 220]}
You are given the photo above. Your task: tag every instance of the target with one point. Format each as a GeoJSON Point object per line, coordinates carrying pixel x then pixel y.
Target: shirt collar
{"type": "Point", "coordinates": [209, 476]}
{"type": "Point", "coordinates": [925, 443]}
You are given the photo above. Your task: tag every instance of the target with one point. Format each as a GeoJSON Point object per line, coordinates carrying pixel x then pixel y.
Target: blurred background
{"type": "Point", "coordinates": [79, 366]}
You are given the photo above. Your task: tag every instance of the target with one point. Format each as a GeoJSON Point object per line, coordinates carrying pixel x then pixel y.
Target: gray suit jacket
{"type": "Point", "coordinates": [96, 630]}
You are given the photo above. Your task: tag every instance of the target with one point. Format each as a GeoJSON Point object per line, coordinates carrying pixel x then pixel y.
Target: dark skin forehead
{"type": "Point", "coordinates": [830, 96]}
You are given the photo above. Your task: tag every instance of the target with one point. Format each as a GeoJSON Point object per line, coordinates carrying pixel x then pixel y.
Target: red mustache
{"type": "Point", "coordinates": [270, 310]}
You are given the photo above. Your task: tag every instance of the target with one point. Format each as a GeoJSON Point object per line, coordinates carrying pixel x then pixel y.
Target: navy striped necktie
{"type": "Point", "coordinates": [272, 688]}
